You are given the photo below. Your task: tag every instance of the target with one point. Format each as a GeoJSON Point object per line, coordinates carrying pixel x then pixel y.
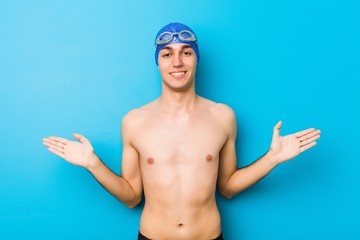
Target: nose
{"type": "Point", "coordinates": [177, 61]}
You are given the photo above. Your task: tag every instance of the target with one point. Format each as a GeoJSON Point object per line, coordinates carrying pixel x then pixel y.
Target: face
{"type": "Point", "coordinates": [177, 65]}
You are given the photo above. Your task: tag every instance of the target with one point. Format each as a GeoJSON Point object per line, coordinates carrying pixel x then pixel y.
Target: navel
{"type": "Point", "coordinates": [150, 161]}
{"type": "Point", "coordinates": [209, 157]}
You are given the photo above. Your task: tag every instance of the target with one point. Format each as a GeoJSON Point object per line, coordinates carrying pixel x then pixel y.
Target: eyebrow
{"type": "Point", "coordinates": [170, 48]}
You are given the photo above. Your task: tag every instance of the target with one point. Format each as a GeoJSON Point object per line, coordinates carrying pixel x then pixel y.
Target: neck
{"type": "Point", "coordinates": [178, 102]}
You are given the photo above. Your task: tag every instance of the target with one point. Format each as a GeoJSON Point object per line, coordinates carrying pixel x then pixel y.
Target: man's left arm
{"type": "Point", "coordinates": [231, 180]}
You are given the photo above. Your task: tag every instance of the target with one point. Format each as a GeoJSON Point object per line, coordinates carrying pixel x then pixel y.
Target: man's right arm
{"type": "Point", "coordinates": [127, 188]}
{"type": "Point", "coordinates": [118, 186]}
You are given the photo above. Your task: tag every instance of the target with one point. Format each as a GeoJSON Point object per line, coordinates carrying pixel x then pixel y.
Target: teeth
{"type": "Point", "coordinates": [176, 74]}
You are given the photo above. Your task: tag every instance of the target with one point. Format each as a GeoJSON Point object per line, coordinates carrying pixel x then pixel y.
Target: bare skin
{"type": "Point", "coordinates": [176, 150]}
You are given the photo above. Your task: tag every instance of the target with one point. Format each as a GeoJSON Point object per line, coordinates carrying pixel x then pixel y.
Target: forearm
{"type": "Point", "coordinates": [245, 177]}
{"type": "Point", "coordinates": [118, 186]}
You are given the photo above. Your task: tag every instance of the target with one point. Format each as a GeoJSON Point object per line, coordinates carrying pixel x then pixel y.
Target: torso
{"type": "Point", "coordinates": [179, 158]}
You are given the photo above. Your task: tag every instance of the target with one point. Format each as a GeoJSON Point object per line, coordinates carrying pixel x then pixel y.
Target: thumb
{"type": "Point", "coordinates": [79, 137]}
{"type": "Point", "coordinates": [277, 129]}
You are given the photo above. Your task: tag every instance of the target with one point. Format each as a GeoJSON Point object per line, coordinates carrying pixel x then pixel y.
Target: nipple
{"type": "Point", "coordinates": [150, 161]}
{"type": "Point", "coordinates": [209, 157]}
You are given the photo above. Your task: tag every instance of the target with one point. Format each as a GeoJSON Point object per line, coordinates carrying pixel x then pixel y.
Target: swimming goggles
{"type": "Point", "coordinates": [167, 37]}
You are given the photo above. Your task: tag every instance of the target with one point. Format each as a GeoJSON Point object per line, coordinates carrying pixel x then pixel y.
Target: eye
{"type": "Point", "coordinates": [188, 53]}
{"type": "Point", "coordinates": [165, 55]}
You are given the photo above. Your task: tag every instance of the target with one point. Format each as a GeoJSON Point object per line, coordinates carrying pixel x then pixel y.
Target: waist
{"type": "Point", "coordinates": [142, 237]}
{"type": "Point", "coordinates": [181, 222]}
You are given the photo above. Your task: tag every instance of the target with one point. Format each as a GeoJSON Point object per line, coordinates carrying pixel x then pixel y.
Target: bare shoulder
{"type": "Point", "coordinates": [136, 117]}
{"type": "Point", "coordinates": [223, 115]}
{"type": "Point", "coordinates": [224, 111]}
{"type": "Point", "coordinates": [221, 110]}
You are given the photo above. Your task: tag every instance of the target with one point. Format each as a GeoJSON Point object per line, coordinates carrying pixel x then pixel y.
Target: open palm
{"type": "Point", "coordinates": [75, 152]}
{"type": "Point", "coordinates": [289, 146]}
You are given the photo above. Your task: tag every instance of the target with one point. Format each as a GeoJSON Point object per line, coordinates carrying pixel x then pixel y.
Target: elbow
{"type": "Point", "coordinates": [228, 196]}
{"type": "Point", "coordinates": [226, 192]}
{"type": "Point", "coordinates": [131, 205]}
{"type": "Point", "coordinates": [133, 202]}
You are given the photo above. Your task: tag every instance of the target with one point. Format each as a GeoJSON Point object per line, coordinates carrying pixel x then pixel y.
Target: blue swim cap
{"type": "Point", "coordinates": [175, 33]}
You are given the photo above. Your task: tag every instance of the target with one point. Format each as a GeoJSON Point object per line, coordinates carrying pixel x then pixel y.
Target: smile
{"type": "Point", "coordinates": [178, 74]}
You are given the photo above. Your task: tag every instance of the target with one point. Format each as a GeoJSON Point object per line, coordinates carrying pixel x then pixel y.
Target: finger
{"type": "Point", "coordinates": [304, 132]}
{"type": "Point", "coordinates": [55, 143]}
{"type": "Point", "coordinates": [58, 153]}
{"type": "Point", "coordinates": [277, 128]}
{"type": "Point", "coordinates": [59, 139]}
{"type": "Point", "coordinates": [308, 146]}
{"type": "Point", "coordinates": [54, 147]}
{"type": "Point", "coordinates": [310, 135]}
{"type": "Point", "coordinates": [79, 137]}
{"type": "Point", "coordinates": [303, 143]}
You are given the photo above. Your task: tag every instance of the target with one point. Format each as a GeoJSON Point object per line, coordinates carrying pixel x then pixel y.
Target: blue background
{"type": "Point", "coordinates": [80, 66]}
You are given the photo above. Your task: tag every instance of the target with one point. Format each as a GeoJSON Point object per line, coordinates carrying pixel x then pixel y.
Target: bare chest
{"type": "Point", "coordinates": [168, 141]}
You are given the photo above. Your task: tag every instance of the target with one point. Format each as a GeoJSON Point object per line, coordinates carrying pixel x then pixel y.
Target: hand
{"type": "Point", "coordinates": [78, 153]}
{"type": "Point", "coordinates": [284, 148]}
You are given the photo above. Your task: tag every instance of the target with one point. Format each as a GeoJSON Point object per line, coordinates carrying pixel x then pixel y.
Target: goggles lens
{"type": "Point", "coordinates": [184, 35]}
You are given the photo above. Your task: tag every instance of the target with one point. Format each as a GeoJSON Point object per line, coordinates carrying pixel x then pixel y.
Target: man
{"type": "Point", "coordinates": [178, 148]}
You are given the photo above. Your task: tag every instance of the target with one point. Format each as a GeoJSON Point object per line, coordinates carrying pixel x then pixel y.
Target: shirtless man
{"type": "Point", "coordinates": [178, 148]}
